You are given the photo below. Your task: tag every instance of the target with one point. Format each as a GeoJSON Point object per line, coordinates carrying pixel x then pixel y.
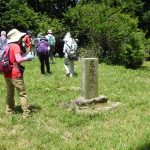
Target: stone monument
{"type": "Point", "coordinates": [89, 91]}
{"type": "Point", "coordinates": [89, 78]}
{"type": "Point", "coordinates": [90, 101]}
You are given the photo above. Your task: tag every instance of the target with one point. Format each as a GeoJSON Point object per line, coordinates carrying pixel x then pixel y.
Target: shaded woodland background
{"type": "Point", "coordinates": [115, 31]}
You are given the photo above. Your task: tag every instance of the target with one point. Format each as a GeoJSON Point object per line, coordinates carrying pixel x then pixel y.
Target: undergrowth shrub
{"type": "Point", "coordinates": [108, 29]}
{"type": "Point", "coordinates": [147, 49]}
{"type": "Point", "coordinates": [89, 52]}
{"type": "Point", "coordinates": [134, 51]}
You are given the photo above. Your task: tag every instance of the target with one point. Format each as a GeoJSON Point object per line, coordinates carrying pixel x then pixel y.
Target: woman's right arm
{"type": "Point", "coordinates": [20, 58]}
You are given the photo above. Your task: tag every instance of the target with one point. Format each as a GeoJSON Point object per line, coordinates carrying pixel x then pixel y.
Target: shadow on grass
{"type": "Point", "coordinates": [32, 108]}
{"type": "Point", "coordinates": [75, 74]}
{"type": "Point", "coordinates": [146, 146]}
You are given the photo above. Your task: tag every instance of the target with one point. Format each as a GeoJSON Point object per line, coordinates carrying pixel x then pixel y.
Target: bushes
{"type": "Point", "coordinates": [134, 54]}
{"type": "Point", "coordinates": [87, 52]}
{"type": "Point", "coordinates": [104, 31]}
{"type": "Point", "coordinates": [115, 34]}
{"type": "Point", "coordinates": [147, 49]}
{"type": "Point", "coordinates": [24, 18]}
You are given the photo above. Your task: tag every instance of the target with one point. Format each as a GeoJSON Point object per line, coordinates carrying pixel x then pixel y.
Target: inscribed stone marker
{"type": "Point", "coordinates": [89, 78]}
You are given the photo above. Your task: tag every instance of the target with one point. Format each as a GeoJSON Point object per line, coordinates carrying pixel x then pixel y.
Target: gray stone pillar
{"type": "Point", "coordinates": [89, 78]}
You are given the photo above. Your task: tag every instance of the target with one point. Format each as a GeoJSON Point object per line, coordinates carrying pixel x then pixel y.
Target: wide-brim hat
{"type": "Point", "coordinates": [14, 35]}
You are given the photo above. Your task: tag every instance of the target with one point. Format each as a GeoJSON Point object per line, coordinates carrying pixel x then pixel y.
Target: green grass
{"type": "Point", "coordinates": [52, 128]}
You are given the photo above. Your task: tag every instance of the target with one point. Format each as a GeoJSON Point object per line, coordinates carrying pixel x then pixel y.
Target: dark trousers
{"type": "Point", "coordinates": [51, 53]}
{"type": "Point", "coordinates": [44, 60]}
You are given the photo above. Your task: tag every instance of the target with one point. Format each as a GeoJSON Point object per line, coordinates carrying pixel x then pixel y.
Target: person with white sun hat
{"type": "Point", "coordinates": [14, 79]}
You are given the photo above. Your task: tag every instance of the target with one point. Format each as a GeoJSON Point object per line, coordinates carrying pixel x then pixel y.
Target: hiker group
{"type": "Point", "coordinates": [17, 47]}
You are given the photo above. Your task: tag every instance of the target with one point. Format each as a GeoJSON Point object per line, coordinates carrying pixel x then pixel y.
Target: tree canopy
{"type": "Point", "coordinates": [115, 30]}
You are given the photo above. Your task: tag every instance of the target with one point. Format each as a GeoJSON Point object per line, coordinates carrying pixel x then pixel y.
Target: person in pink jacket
{"type": "Point", "coordinates": [14, 79]}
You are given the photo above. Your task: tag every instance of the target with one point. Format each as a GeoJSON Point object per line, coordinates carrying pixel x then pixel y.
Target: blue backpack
{"type": "Point", "coordinates": [5, 66]}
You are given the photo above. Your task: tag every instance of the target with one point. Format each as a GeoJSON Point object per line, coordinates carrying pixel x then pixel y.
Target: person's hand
{"type": "Point", "coordinates": [30, 55]}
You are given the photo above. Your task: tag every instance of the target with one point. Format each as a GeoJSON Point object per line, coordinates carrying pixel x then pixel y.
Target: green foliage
{"type": "Point", "coordinates": [17, 14]}
{"type": "Point", "coordinates": [108, 29]}
{"type": "Point", "coordinates": [52, 8]}
{"type": "Point", "coordinates": [132, 7]}
{"type": "Point", "coordinates": [104, 27]}
{"type": "Point", "coordinates": [133, 53]}
{"type": "Point", "coordinates": [146, 20]}
{"type": "Point", "coordinates": [90, 53]}
{"type": "Point", "coordinates": [3, 8]}
{"type": "Point", "coordinates": [44, 23]}
{"type": "Point", "coordinates": [147, 49]}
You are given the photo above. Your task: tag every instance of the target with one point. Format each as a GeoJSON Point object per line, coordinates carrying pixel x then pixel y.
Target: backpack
{"type": "Point", "coordinates": [42, 46]}
{"type": "Point", "coordinates": [72, 53]}
{"type": "Point", "coordinates": [5, 66]}
{"type": "Point", "coordinates": [74, 45]}
{"type": "Point", "coordinates": [51, 40]}
{"type": "Point", "coordinates": [3, 42]}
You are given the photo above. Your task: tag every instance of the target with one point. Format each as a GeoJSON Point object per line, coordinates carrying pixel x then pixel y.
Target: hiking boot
{"type": "Point", "coordinates": [71, 75]}
{"type": "Point", "coordinates": [9, 112]}
{"type": "Point", "coordinates": [26, 114]}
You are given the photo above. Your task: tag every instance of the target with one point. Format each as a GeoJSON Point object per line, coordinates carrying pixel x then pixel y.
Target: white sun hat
{"type": "Point", "coordinates": [14, 35]}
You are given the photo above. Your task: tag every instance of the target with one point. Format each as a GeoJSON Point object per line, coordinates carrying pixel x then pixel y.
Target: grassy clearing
{"type": "Point", "coordinates": [52, 128]}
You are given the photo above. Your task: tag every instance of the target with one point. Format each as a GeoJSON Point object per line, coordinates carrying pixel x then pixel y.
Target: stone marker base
{"type": "Point", "coordinates": [89, 106]}
{"type": "Point", "coordinates": [82, 102]}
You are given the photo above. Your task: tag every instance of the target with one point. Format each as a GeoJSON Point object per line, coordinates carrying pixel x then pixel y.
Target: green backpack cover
{"type": "Point", "coordinates": [51, 40]}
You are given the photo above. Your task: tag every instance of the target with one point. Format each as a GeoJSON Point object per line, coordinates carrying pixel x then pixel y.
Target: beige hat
{"type": "Point", "coordinates": [14, 35]}
{"type": "Point", "coordinates": [49, 31]}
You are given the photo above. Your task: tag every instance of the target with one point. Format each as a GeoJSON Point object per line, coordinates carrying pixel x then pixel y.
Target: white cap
{"type": "Point", "coordinates": [3, 33]}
